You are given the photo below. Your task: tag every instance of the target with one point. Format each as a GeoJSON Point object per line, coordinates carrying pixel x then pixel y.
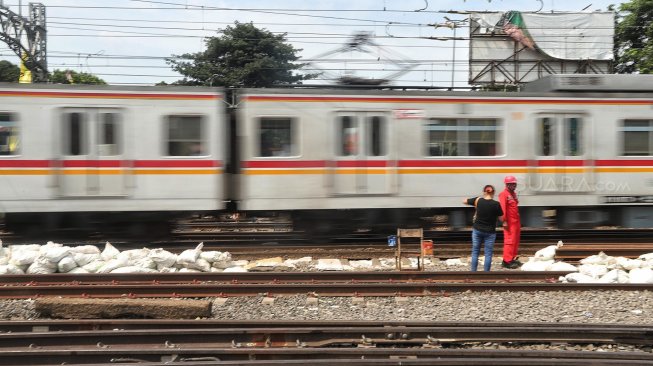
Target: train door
{"type": "Point", "coordinates": [562, 144]}
{"type": "Point", "coordinates": [91, 159]}
{"type": "Point", "coordinates": [362, 164]}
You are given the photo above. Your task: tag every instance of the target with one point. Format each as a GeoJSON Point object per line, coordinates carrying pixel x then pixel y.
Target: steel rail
{"type": "Point", "coordinates": [212, 356]}
{"type": "Point", "coordinates": [319, 289]}
{"type": "Point", "coordinates": [65, 279]}
{"type": "Point", "coordinates": [380, 336]}
{"type": "Point", "coordinates": [65, 325]}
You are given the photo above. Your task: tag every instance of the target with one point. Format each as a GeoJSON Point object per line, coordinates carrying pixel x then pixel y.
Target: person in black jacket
{"type": "Point", "coordinates": [485, 221]}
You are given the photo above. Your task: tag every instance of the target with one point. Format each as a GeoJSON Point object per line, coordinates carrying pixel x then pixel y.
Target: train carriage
{"type": "Point", "coordinates": [345, 154]}
{"type": "Point", "coordinates": [86, 149]}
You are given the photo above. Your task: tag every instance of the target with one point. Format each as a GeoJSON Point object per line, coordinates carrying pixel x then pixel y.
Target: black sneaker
{"type": "Point", "coordinates": [515, 261]}
{"type": "Point", "coordinates": [510, 265]}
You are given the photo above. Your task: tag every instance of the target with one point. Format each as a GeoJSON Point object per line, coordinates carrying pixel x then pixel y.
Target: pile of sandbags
{"type": "Point", "coordinates": [57, 258]}
{"type": "Point", "coordinates": [599, 268]}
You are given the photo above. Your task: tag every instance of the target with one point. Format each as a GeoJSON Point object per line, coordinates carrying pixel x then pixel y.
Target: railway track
{"type": "Point", "coordinates": [273, 284]}
{"type": "Point", "coordinates": [356, 343]}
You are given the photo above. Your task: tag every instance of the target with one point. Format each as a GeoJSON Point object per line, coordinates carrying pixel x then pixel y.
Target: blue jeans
{"type": "Point", "coordinates": [488, 240]}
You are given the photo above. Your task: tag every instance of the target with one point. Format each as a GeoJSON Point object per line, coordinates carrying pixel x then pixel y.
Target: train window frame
{"type": "Point", "coordinates": [115, 145]}
{"type": "Point", "coordinates": [77, 145]}
{"type": "Point", "coordinates": [567, 134]}
{"type": "Point", "coordinates": [284, 148]}
{"type": "Point", "coordinates": [10, 134]}
{"type": "Point", "coordinates": [194, 146]}
{"type": "Point", "coordinates": [623, 130]}
{"type": "Point", "coordinates": [460, 141]}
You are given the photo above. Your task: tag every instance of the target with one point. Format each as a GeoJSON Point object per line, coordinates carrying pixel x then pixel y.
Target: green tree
{"type": "Point", "coordinates": [74, 77]}
{"type": "Point", "coordinates": [633, 32]}
{"type": "Point", "coordinates": [244, 56]}
{"type": "Point", "coordinates": [9, 72]}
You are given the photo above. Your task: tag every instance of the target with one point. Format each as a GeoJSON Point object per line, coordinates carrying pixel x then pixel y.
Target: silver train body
{"type": "Point", "coordinates": [353, 156]}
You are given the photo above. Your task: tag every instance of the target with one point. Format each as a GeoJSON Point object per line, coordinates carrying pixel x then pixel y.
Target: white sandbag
{"type": "Point", "coordinates": [364, 264]}
{"type": "Point", "coordinates": [562, 266]}
{"type": "Point", "coordinates": [641, 275]}
{"type": "Point", "coordinates": [190, 255]}
{"type": "Point", "coordinates": [41, 265]}
{"type": "Point", "coordinates": [23, 257]}
{"type": "Point", "coordinates": [577, 277]}
{"type": "Point", "coordinates": [454, 262]}
{"type": "Point", "coordinates": [211, 255]}
{"type": "Point", "coordinates": [5, 253]}
{"type": "Point", "coordinates": [190, 270]}
{"type": "Point", "coordinates": [66, 264]}
{"type": "Point", "coordinates": [163, 258]}
{"type": "Point", "coordinates": [113, 264]}
{"type": "Point", "coordinates": [134, 255]}
{"type": "Point", "coordinates": [223, 261]}
{"type": "Point", "coordinates": [646, 257]}
{"type": "Point", "coordinates": [239, 263]}
{"type": "Point", "coordinates": [78, 270]}
{"type": "Point", "coordinates": [146, 263]}
{"type": "Point", "coordinates": [167, 269]}
{"type": "Point", "coordinates": [54, 253]}
{"type": "Point", "coordinates": [614, 276]}
{"type": "Point", "coordinates": [547, 253]}
{"type": "Point", "coordinates": [10, 269]}
{"type": "Point", "coordinates": [109, 252]}
{"type": "Point", "coordinates": [94, 266]}
{"type": "Point", "coordinates": [132, 269]}
{"type": "Point", "coordinates": [536, 265]}
{"type": "Point", "coordinates": [601, 258]}
{"type": "Point", "coordinates": [200, 264]}
{"type": "Point", "coordinates": [85, 249]}
{"type": "Point", "coordinates": [25, 247]}
{"type": "Point", "coordinates": [236, 269]}
{"type": "Point", "coordinates": [593, 270]}
{"type": "Point", "coordinates": [628, 264]}
{"type": "Point", "coordinates": [326, 264]}
{"type": "Point", "coordinates": [83, 259]}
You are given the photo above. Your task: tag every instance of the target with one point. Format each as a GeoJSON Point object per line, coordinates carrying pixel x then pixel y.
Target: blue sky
{"type": "Point", "coordinates": [127, 41]}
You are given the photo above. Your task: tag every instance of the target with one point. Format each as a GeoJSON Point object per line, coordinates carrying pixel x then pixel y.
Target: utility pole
{"type": "Point", "coordinates": [33, 52]}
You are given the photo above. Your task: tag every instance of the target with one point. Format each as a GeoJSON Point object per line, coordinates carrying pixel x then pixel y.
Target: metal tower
{"type": "Point", "coordinates": [15, 28]}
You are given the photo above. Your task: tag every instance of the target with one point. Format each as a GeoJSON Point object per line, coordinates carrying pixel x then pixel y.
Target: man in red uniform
{"type": "Point", "coordinates": [511, 223]}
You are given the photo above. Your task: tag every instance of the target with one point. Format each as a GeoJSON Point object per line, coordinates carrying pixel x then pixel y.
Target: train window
{"type": "Point", "coordinates": [9, 137]}
{"type": "Point", "coordinates": [637, 137]}
{"type": "Point", "coordinates": [109, 135]}
{"type": "Point", "coordinates": [443, 137]}
{"type": "Point", "coordinates": [463, 137]}
{"type": "Point", "coordinates": [185, 136]}
{"type": "Point", "coordinates": [547, 139]}
{"type": "Point", "coordinates": [573, 135]}
{"type": "Point", "coordinates": [276, 137]}
{"type": "Point", "coordinates": [348, 135]}
{"type": "Point", "coordinates": [75, 132]}
{"type": "Point", "coordinates": [482, 137]}
{"type": "Point", "coordinates": [376, 136]}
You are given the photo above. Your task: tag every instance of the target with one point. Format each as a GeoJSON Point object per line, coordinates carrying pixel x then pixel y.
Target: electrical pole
{"type": "Point", "coordinates": [14, 27]}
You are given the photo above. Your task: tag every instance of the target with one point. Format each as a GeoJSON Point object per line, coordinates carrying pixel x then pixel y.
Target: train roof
{"type": "Point", "coordinates": [134, 88]}
{"type": "Point", "coordinates": [627, 83]}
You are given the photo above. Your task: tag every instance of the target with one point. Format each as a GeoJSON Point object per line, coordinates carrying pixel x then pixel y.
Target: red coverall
{"type": "Point", "coordinates": [512, 230]}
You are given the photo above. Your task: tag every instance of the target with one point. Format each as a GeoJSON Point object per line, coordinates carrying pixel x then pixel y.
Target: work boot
{"type": "Point", "coordinates": [510, 265]}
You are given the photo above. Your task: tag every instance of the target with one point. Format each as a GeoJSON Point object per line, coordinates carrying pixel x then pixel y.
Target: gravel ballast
{"type": "Point", "coordinates": [617, 307]}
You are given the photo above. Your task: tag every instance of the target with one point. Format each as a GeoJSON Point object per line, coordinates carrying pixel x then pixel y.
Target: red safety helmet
{"type": "Point", "coordinates": [510, 179]}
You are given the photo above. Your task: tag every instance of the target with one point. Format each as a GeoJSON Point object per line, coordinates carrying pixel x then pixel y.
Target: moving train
{"type": "Point", "coordinates": [581, 147]}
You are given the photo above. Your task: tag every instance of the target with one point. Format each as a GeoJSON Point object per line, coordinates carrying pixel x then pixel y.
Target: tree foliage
{"type": "Point", "coordinates": [74, 77]}
{"type": "Point", "coordinates": [244, 56]}
{"type": "Point", "coordinates": [9, 72]}
{"type": "Point", "coordinates": [633, 32]}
